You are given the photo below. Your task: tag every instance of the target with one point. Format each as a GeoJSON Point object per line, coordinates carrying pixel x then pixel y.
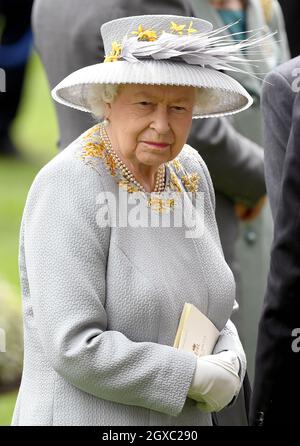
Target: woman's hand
{"type": "Point", "coordinates": [216, 381]}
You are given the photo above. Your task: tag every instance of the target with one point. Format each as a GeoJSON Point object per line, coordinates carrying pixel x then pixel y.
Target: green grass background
{"type": "Point", "coordinates": [35, 133]}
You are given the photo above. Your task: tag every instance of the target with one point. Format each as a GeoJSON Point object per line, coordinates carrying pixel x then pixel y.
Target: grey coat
{"type": "Point", "coordinates": [101, 304]}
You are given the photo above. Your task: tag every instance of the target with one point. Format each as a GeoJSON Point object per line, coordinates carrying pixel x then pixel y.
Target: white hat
{"type": "Point", "coordinates": [164, 50]}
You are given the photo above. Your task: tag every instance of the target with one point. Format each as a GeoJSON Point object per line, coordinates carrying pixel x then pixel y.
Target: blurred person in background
{"type": "Point", "coordinates": [291, 12]}
{"type": "Point", "coordinates": [16, 41]}
{"type": "Point", "coordinates": [276, 389]}
{"type": "Point", "coordinates": [243, 215]}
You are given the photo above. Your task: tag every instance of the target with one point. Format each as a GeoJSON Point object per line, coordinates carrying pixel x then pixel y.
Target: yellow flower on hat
{"type": "Point", "coordinates": [147, 34]}
{"type": "Point", "coordinates": [177, 28]}
{"type": "Point", "coordinates": [114, 55]}
{"type": "Point", "coordinates": [181, 28]}
{"type": "Point", "coordinates": [191, 30]}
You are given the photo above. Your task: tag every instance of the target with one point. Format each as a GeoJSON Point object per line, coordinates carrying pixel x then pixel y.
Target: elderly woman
{"type": "Point", "coordinates": [102, 290]}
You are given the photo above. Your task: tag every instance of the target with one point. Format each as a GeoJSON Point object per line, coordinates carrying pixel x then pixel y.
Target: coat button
{"type": "Point", "coordinates": [250, 237]}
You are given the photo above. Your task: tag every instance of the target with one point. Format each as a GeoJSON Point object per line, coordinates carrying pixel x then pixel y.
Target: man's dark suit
{"type": "Point", "coordinates": [276, 392]}
{"type": "Point", "coordinates": [291, 12]}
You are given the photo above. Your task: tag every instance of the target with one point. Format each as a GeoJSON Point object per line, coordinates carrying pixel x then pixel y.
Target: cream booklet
{"type": "Point", "coordinates": [196, 333]}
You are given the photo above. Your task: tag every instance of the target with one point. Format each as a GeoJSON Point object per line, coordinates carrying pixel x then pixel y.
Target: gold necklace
{"type": "Point", "coordinates": [128, 175]}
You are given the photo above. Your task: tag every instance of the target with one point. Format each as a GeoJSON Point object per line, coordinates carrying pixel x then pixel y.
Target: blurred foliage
{"type": "Point", "coordinates": [15, 179]}
{"type": "Point", "coordinates": [11, 360]}
{"type": "Point", "coordinates": [34, 133]}
{"type": "Point", "coordinates": [7, 404]}
{"type": "Point", "coordinates": [35, 130]}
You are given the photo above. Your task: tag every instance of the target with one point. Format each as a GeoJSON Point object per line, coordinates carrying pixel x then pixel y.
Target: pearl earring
{"type": "Point", "coordinates": [105, 122]}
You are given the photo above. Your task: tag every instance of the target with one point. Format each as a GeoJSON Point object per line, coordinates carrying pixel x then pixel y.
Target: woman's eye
{"type": "Point", "coordinates": [179, 109]}
{"type": "Point", "coordinates": [145, 103]}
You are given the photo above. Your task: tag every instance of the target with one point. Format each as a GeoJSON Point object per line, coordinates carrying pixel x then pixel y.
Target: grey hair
{"type": "Point", "coordinates": [99, 94]}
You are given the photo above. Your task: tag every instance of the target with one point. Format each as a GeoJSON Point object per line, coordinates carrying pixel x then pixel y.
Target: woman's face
{"type": "Point", "coordinates": [149, 124]}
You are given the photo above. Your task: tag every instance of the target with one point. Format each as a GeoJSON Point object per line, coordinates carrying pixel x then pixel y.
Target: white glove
{"type": "Point", "coordinates": [216, 381]}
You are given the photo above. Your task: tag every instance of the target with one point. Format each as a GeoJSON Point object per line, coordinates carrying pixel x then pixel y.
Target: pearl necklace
{"type": "Point", "coordinates": [160, 177]}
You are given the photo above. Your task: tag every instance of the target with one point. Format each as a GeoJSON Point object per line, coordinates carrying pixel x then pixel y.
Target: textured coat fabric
{"type": "Point", "coordinates": [233, 152]}
{"type": "Point", "coordinates": [102, 304]}
{"type": "Point", "coordinates": [276, 391]}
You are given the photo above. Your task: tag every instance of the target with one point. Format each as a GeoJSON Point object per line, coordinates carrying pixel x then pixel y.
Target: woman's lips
{"type": "Point", "coordinates": [158, 145]}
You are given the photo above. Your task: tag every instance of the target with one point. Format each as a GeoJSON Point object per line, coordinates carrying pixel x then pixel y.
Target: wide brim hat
{"type": "Point", "coordinates": [162, 50]}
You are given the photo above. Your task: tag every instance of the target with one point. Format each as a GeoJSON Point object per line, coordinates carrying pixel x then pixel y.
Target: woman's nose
{"type": "Point", "coordinates": [160, 120]}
